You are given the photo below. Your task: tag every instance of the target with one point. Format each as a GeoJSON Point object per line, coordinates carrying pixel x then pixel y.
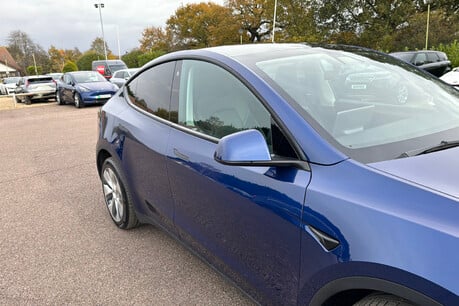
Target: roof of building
{"type": "Point", "coordinates": [7, 59]}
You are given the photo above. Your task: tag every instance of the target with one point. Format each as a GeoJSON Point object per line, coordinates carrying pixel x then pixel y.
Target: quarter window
{"type": "Point", "coordinates": [151, 91]}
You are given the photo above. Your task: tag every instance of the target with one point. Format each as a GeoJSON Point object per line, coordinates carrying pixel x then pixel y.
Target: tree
{"type": "Point", "coordinates": [443, 29]}
{"type": "Point", "coordinates": [202, 25]}
{"type": "Point", "coordinates": [58, 57]}
{"type": "Point", "coordinates": [132, 58]}
{"type": "Point", "coordinates": [70, 66]}
{"type": "Point", "coordinates": [155, 38]}
{"type": "Point", "coordinates": [254, 16]}
{"type": "Point", "coordinates": [31, 70]}
{"type": "Point", "coordinates": [146, 57]}
{"type": "Point", "coordinates": [296, 22]}
{"type": "Point", "coordinates": [23, 50]}
{"type": "Point", "coordinates": [85, 61]}
{"type": "Point", "coordinates": [97, 46]}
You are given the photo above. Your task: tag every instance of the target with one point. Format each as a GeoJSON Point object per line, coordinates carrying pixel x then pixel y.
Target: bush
{"type": "Point", "coordinates": [146, 57]}
{"type": "Point", "coordinates": [85, 61]}
{"type": "Point", "coordinates": [69, 66]}
{"type": "Point", "coordinates": [31, 70]}
{"type": "Point", "coordinates": [452, 51]}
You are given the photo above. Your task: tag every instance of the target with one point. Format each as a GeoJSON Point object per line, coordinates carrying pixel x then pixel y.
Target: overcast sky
{"type": "Point", "coordinates": [67, 24]}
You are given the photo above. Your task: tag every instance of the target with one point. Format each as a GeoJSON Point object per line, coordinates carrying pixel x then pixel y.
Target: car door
{"type": "Point", "coordinates": [144, 146]}
{"type": "Point", "coordinates": [67, 88]}
{"type": "Point", "coordinates": [245, 220]}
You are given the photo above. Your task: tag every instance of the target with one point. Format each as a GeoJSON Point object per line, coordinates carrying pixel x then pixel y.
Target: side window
{"type": "Point", "coordinates": [420, 59]}
{"type": "Point", "coordinates": [151, 90]}
{"type": "Point", "coordinates": [67, 79]}
{"type": "Point", "coordinates": [214, 102]}
{"type": "Point", "coordinates": [432, 57]}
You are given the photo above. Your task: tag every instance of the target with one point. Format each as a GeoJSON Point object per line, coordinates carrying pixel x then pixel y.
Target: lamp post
{"type": "Point", "coordinates": [274, 19]}
{"type": "Point", "coordinates": [428, 20]}
{"type": "Point", "coordinates": [240, 35]}
{"type": "Point", "coordinates": [100, 6]}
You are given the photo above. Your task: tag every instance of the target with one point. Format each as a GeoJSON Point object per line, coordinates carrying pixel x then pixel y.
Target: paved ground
{"type": "Point", "coordinates": [57, 243]}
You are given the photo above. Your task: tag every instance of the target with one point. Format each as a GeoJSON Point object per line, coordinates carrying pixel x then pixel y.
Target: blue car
{"type": "Point", "coordinates": [83, 88]}
{"type": "Point", "coordinates": [309, 175]}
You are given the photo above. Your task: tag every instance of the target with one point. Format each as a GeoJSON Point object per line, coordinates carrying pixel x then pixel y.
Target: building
{"type": "Point", "coordinates": [8, 66]}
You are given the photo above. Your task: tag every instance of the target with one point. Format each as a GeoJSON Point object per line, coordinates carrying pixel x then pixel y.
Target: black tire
{"type": "Point", "coordinates": [78, 102]}
{"type": "Point", "coordinates": [27, 100]}
{"type": "Point", "coordinates": [59, 98]}
{"type": "Point", "coordinates": [117, 197]}
{"type": "Point", "coordinates": [381, 299]}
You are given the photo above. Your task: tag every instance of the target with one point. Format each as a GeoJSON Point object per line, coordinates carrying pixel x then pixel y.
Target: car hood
{"type": "Point", "coordinates": [438, 170]}
{"type": "Point", "coordinates": [96, 86]}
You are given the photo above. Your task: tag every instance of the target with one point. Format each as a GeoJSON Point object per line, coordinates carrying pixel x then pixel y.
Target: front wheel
{"type": "Point", "coordinates": [78, 102]}
{"type": "Point", "coordinates": [59, 98]}
{"type": "Point", "coordinates": [117, 196]}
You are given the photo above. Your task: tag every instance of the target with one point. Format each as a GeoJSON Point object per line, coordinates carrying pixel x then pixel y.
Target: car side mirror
{"type": "Point", "coordinates": [249, 148]}
{"type": "Point", "coordinates": [242, 147]}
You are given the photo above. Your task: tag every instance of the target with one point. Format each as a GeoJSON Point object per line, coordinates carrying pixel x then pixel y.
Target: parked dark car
{"type": "Point", "coordinates": [263, 161]}
{"type": "Point", "coordinates": [435, 62]}
{"type": "Point", "coordinates": [33, 88]}
{"type": "Point", "coordinates": [84, 87]}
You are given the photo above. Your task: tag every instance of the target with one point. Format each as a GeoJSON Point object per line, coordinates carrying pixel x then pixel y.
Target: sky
{"type": "Point", "coordinates": [67, 24]}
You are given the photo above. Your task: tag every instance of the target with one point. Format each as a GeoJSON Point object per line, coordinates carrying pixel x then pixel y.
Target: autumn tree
{"type": "Point", "coordinates": [58, 57]}
{"type": "Point", "coordinates": [202, 25]}
{"type": "Point", "coordinates": [254, 16]}
{"type": "Point", "coordinates": [155, 38]}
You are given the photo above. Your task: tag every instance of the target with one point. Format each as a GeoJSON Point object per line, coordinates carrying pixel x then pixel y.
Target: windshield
{"type": "Point", "coordinates": [370, 105]}
{"type": "Point", "coordinates": [11, 80]}
{"type": "Point", "coordinates": [88, 77]}
{"type": "Point", "coordinates": [114, 68]}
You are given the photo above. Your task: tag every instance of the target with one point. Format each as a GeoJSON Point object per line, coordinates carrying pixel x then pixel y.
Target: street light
{"type": "Point", "coordinates": [428, 20]}
{"type": "Point", "coordinates": [274, 19]}
{"type": "Point", "coordinates": [100, 6]}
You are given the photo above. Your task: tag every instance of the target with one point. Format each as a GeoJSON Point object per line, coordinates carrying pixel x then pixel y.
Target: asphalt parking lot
{"type": "Point", "coordinates": [58, 244]}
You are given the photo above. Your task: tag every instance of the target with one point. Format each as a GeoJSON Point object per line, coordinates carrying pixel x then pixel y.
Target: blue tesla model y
{"type": "Point", "coordinates": [309, 175]}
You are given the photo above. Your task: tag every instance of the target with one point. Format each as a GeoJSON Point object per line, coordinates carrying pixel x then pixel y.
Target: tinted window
{"type": "Point", "coordinates": [432, 57]}
{"type": "Point", "coordinates": [151, 90]}
{"type": "Point", "coordinates": [214, 102]}
{"type": "Point", "coordinates": [420, 59]}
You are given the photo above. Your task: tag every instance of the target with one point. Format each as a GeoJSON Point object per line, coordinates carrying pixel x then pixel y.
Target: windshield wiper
{"type": "Point", "coordinates": [442, 146]}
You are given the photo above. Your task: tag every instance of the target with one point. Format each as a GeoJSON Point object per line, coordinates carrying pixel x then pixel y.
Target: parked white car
{"type": "Point", "coordinates": [452, 77]}
{"type": "Point", "coordinates": [121, 76]}
{"type": "Point", "coordinates": [9, 85]}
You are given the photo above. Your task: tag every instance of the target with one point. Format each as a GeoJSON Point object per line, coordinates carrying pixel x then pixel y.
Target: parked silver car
{"type": "Point", "coordinates": [121, 76]}
{"type": "Point", "coordinates": [9, 85]}
{"type": "Point", "coordinates": [38, 87]}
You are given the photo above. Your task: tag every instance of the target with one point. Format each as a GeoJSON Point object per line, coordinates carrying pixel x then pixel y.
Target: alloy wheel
{"type": "Point", "coordinates": [113, 194]}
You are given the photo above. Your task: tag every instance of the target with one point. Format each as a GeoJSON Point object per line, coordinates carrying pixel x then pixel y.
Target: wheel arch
{"type": "Point", "coordinates": [343, 289]}
{"type": "Point", "coordinates": [102, 155]}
